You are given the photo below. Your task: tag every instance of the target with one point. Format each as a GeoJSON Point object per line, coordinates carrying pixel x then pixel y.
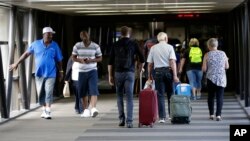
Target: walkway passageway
{"type": "Point", "coordinates": [68, 126]}
{"type": "Point", "coordinates": [22, 23]}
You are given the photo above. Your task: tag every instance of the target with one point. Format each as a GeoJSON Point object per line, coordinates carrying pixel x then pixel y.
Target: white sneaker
{"type": "Point", "coordinates": [47, 115]}
{"type": "Point", "coordinates": [162, 120]}
{"type": "Point", "coordinates": [94, 112]}
{"type": "Point", "coordinates": [43, 114]}
{"type": "Point", "coordinates": [86, 113]}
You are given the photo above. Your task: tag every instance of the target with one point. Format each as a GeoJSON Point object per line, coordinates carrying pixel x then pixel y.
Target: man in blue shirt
{"type": "Point", "coordinates": [47, 57]}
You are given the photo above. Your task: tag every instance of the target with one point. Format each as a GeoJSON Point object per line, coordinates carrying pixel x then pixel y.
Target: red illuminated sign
{"type": "Point", "coordinates": [188, 15]}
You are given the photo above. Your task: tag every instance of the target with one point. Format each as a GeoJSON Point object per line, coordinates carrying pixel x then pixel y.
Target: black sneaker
{"type": "Point", "coordinates": [122, 122]}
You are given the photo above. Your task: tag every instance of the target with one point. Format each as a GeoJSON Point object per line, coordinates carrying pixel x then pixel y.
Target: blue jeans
{"type": "Point", "coordinates": [195, 77]}
{"type": "Point", "coordinates": [45, 88]}
{"type": "Point", "coordinates": [163, 83]}
{"type": "Point", "coordinates": [218, 91]}
{"type": "Point", "coordinates": [78, 100]}
{"type": "Point", "coordinates": [125, 85]}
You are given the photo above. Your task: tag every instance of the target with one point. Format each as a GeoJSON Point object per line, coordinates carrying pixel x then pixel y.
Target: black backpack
{"type": "Point", "coordinates": [123, 55]}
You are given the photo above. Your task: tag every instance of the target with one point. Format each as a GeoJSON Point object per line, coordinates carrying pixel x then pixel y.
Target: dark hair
{"type": "Point", "coordinates": [83, 30]}
{"type": "Point", "coordinates": [124, 30]}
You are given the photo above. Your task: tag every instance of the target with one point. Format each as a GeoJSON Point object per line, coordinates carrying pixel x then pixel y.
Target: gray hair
{"type": "Point", "coordinates": [162, 36]}
{"type": "Point", "coordinates": [212, 42]}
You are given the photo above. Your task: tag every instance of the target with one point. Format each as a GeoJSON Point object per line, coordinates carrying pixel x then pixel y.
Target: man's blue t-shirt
{"type": "Point", "coordinates": [46, 58]}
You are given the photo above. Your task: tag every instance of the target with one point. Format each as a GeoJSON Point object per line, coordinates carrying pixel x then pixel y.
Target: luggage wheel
{"type": "Point", "coordinates": [139, 125]}
{"type": "Point", "coordinates": [151, 125]}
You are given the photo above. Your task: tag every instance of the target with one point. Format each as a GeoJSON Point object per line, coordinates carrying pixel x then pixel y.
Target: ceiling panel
{"type": "Point", "coordinates": [127, 7]}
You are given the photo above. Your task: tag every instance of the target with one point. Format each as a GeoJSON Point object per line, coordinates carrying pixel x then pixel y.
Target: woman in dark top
{"type": "Point", "coordinates": [193, 59]}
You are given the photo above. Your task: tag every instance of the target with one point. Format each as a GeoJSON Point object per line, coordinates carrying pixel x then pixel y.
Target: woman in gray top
{"type": "Point", "coordinates": [215, 63]}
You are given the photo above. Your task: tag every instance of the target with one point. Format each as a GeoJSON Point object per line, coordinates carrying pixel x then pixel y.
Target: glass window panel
{"type": "Point", "coordinates": [4, 24]}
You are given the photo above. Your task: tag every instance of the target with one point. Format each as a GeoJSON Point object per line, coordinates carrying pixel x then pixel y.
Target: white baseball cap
{"type": "Point", "coordinates": [48, 29]}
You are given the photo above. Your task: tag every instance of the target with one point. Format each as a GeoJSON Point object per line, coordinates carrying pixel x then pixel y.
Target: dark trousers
{"type": "Point", "coordinates": [214, 91]}
{"type": "Point", "coordinates": [163, 83]}
{"type": "Point", "coordinates": [78, 101]}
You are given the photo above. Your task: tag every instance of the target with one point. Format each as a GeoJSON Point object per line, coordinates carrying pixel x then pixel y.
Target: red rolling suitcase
{"type": "Point", "coordinates": [148, 107]}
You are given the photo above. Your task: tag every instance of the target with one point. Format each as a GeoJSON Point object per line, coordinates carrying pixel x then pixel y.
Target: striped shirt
{"type": "Point", "coordinates": [90, 52]}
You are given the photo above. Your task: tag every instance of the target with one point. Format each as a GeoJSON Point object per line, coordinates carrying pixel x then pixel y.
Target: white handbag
{"type": "Point", "coordinates": [150, 84]}
{"type": "Point", "coordinates": [66, 91]}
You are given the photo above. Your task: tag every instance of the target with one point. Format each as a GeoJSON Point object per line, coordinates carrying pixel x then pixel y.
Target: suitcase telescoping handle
{"type": "Point", "coordinates": [175, 84]}
{"type": "Point", "coordinates": [141, 80]}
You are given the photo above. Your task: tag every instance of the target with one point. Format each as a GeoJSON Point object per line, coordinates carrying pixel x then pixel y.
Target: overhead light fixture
{"type": "Point", "coordinates": [188, 10]}
{"type": "Point", "coordinates": [74, 5]}
{"type": "Point", "coordinates": [62, 0]}
{"type": "Point", "coordinates": [87, 8]}
{"type": "Point", "coordinates": [122, 11]}
{"type": "Point", "coordinates": [149, 10]}
{"type": "Point", "coordinates": [106, 14]}
{"type": "Point", "coordinates": [133, 4]}
{"type": "Point", "coordinates": [190, 6]}
{"type": "Point", "coordinates": [110, 11]}
{"type": "Point", "coordinates": [178, 3]}
{"type": "Point", "coordinates": [4, 4]}
{"type": "Point", "coordinates": [128, 8]}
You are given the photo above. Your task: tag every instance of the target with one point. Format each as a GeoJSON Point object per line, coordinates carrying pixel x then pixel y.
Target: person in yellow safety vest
{"type": "Point", "coordinates": [193, 59]}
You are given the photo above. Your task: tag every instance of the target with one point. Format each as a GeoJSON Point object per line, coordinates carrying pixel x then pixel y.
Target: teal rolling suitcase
{"type": "Point", "coordinates": [180, 109]}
